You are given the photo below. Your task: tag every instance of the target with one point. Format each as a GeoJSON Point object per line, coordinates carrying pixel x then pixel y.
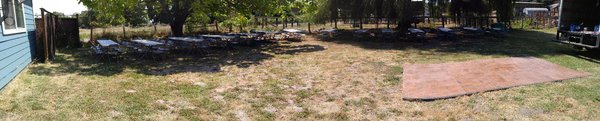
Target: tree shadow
{"type": "Point", "coordinates": [82, 62]}
{"type": "Point", "coordinates": [591, 56]}
{"type": "Point", "coordinates": [518, 43]}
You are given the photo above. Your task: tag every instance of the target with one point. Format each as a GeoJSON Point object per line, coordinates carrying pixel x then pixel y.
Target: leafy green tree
{"type": "Point", "coordinates": [86, 17]}
{"type": "Point", "coordinates": [136, 15]}
{"type": "Point", "coordinates": [173, 12]}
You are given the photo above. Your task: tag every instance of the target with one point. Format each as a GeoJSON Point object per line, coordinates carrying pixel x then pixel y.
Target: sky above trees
{"type": "Point", "coordinates": [68, 7]}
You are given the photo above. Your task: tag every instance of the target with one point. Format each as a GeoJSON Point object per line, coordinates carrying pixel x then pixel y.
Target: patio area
{"type": "Point", "coordinates": [339, 79]}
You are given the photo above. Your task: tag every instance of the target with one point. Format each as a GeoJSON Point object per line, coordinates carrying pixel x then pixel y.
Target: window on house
{"type": "Point", "coordinates": [12, 17]}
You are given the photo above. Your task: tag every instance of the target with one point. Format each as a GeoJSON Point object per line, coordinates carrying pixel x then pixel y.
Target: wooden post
{"type": "Point", "coordinates": [522, 23]}
{"type": "Point", "coordinates": [53, 39]}
{"type": "Point", "coordinates": [45, 31]}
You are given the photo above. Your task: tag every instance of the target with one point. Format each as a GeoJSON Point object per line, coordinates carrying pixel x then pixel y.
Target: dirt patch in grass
{"type": "Point", "coordinates": [340, 79]}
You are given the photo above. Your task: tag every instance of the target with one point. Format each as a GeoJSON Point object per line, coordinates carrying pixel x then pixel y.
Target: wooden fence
{"type": "Point", "coordinates": [55, 32]}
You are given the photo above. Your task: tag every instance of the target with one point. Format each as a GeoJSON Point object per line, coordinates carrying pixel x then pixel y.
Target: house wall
{"type": "Point", "coordinates": [16, 49]}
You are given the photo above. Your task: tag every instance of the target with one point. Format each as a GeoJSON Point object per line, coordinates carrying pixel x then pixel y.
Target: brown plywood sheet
{"type": "Point", "coordinates": [446, 80]}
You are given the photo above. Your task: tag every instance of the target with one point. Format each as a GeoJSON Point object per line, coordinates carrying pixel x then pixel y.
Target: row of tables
{"type": "Point", "coordinates": [202, 41]}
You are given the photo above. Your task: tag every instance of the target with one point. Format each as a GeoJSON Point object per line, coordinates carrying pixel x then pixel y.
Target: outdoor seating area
{"type": "Point", "coordinates": [300, 60]}
{"type": "Point", "coordinates": [421, 35]}
{"type": "Point", "coordinates": [160, 48]}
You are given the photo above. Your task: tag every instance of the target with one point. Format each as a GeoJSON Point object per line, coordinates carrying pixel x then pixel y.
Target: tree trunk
{"type": "Point", "coordinates": [335, 23]}
{"type": "Point", "coordinates": [177, 28]}
{"type": "Point", "coordinates": [285, 23]}
{"type": "Point", "coordinates": [309, 28]}
{"type": "Point", "coordinates": [155, 30]}
{"type": "Point", "coordinates": [264, 22]}
{"type": "Point", "coordinates": [377, 23]}
{"type": "Point", "coordinates": [91, 35]}
{"type": "Point", "coordinates": [217, 25]}
{"type": "Point", "coordinates": [256, 22]}
{"type": "Point", "coordinates": [361, 23]}
{"type": "Point", "coordinates": [124, 34]}
{"type": "Point", "coordinates": [388, 23]}
{"type": "Point", "coordinates": [443, 21]}
{"type": "Point", "coordinates": [276, 22]}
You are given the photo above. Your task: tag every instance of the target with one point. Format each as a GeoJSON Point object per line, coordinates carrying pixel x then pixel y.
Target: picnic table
{"type": "Point", "coordinates": [189, 42]}
{"type": "Point", "coordinates": [107, 43]}
{"type": "Point", "coordinates": [292, 30]}
{"type": "Point", "coordinates": [147, 42]}
{"type": "Point", "coordinates": [245, 38]}
{"type": "Point", "coordinates": [107, 47]}
{"type": "Point", "coordinates": [413, 30]}
{"type": "Point", "coordinates": [268, 35]}
{"type": "Point", "coordinates": [329, 33]}
{"type": "Point", "coordinates": [473, 32]}
{"type": "Point", "coordinates": [417, 35]}
{"type": "Point", "coordinates": [186, 39]}
{"type": "Point", "coordinates": [329, 30]}
{"type": "Point", "coordinates": [445, 33]}
{"type": "Point", "coordinates": [221, 37]}
{"type": "Point", "coordinates": [446, 30]}
{"type": "Point", "coordinates": [361, 34]}
{"type": "Point", "coordinates": [387, 31]}
{"type": "Point", "coordinates": [220, 40]}
{"type": "Point", "coordinates": [471, 29]}
{"type": "Point", "coordinates": [244, 34]}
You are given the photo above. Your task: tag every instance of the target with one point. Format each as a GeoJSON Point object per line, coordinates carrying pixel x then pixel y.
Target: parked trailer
{"type": "Point", "coordinates": [578, 23]}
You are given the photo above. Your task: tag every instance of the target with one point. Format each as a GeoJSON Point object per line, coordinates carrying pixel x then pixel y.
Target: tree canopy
{"type": "Point", "coordinates": [241, 12]}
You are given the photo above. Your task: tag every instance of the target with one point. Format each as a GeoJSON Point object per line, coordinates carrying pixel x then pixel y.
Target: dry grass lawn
{"type": "Point", "coordinates": [314, 80]}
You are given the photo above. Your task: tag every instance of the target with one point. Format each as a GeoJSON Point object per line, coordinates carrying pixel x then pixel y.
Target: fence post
{"type": "Point", "coordinates": [522, 23]}
{"type": "Point", "coordinates": [54, 37]}
{"type": "Point", "coordinates": [45, 49]}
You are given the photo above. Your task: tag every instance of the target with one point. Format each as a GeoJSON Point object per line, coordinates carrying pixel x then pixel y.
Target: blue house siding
{"type": "Point", "coordinates": [16, 50]}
